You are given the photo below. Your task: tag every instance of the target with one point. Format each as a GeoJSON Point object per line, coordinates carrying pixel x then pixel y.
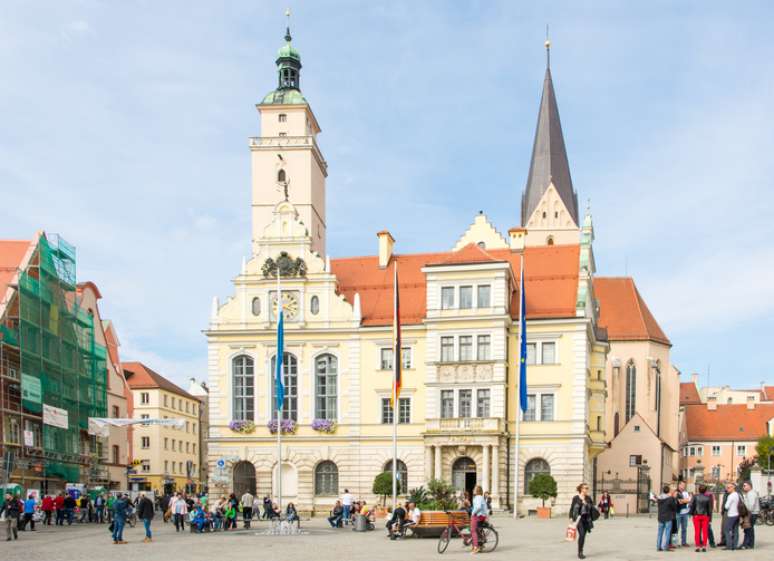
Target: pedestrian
{"type": "Point", "coordinates": [684, 501]}
{"type": "Point", "coordinates": [710, 532]}
{"type": "Point", "coordinates": [291, 515]}
{"type": "Point", "coordinates": [605, 504]}
{"type": "Point", "coordinates": [99, 508]}
{"type": "Point", "coordinates": [266, 507]}
{"type": "Point", "coordinates": [247, 508]}
{"type": "Point", "coordinates": [120, 510]}
{"type": "Point", "coordinates": [145, 512]}
{"type": "Point", "coordinates": [732, 510]}
{"type": "Point", "coordinates": [582, 515]}
{"type": "Point", "coordinates": [724, 498]}
{"type": "Point", "coordinates": [700, 509]}
{"type": "Point", "coordinates": [346, 503]}
{"type": "Point", "coordinates": [337, 513]}
{"type": "Point", "coordinates": [396, 521]}
{"type": "Point", "coordinates": [47, 506]}
{"type": "Point", "coordinates": [69, 508]}
{"type": "Point", "coordinates": [11, 509]}
{"type": "Point", "coordinates": [111, 499]}
{"type": "Point", "coordinates": [667, 507]}
{"type": "Point", "coordinates": [477, 515]}
{"type": "Point", "coordinates": [257, 508]}
{"type": "Point", "coordinates": [29, 513]}
{"type": "Point", "coordinates": [84, 508]}
{"type": "Point", "coordinates": [753, 503]}
{"type": "Point", "coordinates": [230, 515]}
{"type": "Point", "coordinates": [179, 511]}
{"type": "Point", "coordinates": [59, 508]}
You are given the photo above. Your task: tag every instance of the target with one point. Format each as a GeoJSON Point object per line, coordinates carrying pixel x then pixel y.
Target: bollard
{"type": "Point", "coordinates": [627, 510]}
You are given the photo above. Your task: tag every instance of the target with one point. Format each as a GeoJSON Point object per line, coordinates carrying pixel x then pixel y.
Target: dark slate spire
{"type": "Point", "coordinates": [549, 156]}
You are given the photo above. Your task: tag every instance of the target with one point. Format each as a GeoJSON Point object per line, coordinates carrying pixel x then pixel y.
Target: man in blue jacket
{"type": "Point", "coordinates": [29, 512]}
{"type": "Point", "coordinates": [120, 511]}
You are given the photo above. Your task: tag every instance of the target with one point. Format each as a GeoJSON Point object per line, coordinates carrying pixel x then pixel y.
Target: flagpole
{"type": "Point", "coordinates": [395, 408]}
{"type": "Point", "coordinates": [281, 366]}
{"type": "Point", "coordinates": [518, 402]}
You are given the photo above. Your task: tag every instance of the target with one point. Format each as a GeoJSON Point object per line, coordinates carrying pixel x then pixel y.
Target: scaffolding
{"type": "Point", "coordinates": [61, 365]}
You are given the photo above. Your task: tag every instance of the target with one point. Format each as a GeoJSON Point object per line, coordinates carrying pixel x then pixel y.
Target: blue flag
{"type": "Point", "coordinates": [280, 359]}
{"type": "Point", "coordinates": [523, 346]}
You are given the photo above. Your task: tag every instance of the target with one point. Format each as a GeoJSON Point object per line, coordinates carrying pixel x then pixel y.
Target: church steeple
{"type": "Point", "coordinates": [288, 73]}
{"type": "Point", "coordinates": [549, 162]}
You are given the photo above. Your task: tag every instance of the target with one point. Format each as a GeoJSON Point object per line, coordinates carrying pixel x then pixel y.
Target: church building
{"type": "Point", "coordinates": [459, 315]}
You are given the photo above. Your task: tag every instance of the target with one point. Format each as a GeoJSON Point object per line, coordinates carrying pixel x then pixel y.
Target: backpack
{"type": "Point", "coordinates": [743, 510]}
{"type": "Point", "coordinates": [594, 513]}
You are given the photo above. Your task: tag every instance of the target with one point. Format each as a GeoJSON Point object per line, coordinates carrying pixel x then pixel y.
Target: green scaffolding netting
{"type": "Point", "coordinates": [61, 364]}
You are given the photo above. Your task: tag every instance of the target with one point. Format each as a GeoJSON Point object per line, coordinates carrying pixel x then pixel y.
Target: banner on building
{"type": "Point", "coordinates": [99, 426]}
{"type": "Point", "coordinates": [55, 416]}
{"type": "Point", "coordinates": [31, 390]}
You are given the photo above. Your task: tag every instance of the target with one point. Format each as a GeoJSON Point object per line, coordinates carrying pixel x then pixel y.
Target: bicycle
{"type": "Point", "coordinates": [488, 538]}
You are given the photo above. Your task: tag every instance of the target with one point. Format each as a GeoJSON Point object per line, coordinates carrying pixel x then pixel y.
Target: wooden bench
{"type": "Point", "coordinates": [432, 523]}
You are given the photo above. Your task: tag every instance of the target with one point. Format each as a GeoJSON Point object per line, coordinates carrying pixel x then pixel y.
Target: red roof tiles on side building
{"type": "Point", "coordinates": [623, 312]}
{"type": "Point", "coordinates": [689, 394]}
{"type": "Point", "coordinates": [727, 422]}
{"type": "Point", "coordinates": [139, 376]}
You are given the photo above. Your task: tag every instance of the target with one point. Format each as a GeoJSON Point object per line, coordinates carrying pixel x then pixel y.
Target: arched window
{"type": "Point", "coordinates": [402, 476]}
{"type": "Point", "coordinates": [314, 305]}
{"type": "Point", "coordinates": [550, 240]}
{"type": "Point", "coordinates": [631, 390]}
{"type": "Point", "coordinates": [290, 381]}
{"type": "Point", "coordinates": [326, 369]}
{"type": "Point", "coordinates": [243, 388]}
{"type": "Point", "coordinates": [281, 176]}
{"type": "Point", "coordinates": [533, 468]}
{"type": "Point", "coordinates": [326, 479]}
{"type": "Point", "coordinates": [256, 306]}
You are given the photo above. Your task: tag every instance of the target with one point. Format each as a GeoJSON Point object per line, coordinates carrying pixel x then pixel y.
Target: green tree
{"type": "Point", "coordinates": [383, 485]}
{"type": "Point", "coordinates": [765, 450]}
{"type": "Point", "coordinates": [542, 487]}
{"type": "Point", "coordinates": [442, 493]}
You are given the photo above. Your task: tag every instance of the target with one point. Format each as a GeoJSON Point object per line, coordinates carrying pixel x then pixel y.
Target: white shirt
{"type": "Point", "coordinates": [347, 499]}
{"type": "Point", "coordinates": [247, 500]}
{"type": "Point", "coordinates": [416, 514]}
{"type": "Point", "coordinates": [732, 504]}
{"type": "Point", "coordinates": [752, 501]}
{"type": "Point", "coordinates": [685, 508]}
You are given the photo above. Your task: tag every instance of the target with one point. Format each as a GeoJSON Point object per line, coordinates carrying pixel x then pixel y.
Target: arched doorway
{"type": "Point", "coordinates": [464, 474]}
{"type": "Point", "coordinates": [244, 478]}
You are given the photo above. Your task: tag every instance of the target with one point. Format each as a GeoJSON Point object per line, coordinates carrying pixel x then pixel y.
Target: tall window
{"type": "Point", "coordinates": [484, 345]}
{"type": "Point", "coordinates": [447, 297]}
{"type": "Point", "coordinates": [549, 353]}
{"type": "Point", "coordinates": [144, 398]}
{"type": "Point", "coordinates": [466, 347]}
{"type": "Point", "coordinates": [533, 468]}
{"type": "Point", "coordinates": [290, 381]}
{"type": "Point", "coordinates": [530, 413]}
{"type": "Point", "coordinates": [146, 441]}
{"type": "Point", "coordinates": [447, 349]}
{"type": "Point", "coordinates": [447, 404]}
{"type": "Point", "coordinates": [385, 358]}
{"type": "Point", "coordinates": [281, 176]}
{"type": "Point", "coordinates": [531, 353]}
{"type": "Point", "coordinates": [326, 371]}
{"type": "Point", "coordinates": [466, 297]}
{"type": "Point", "coordinates": [402, 475]}
{"type": "Point", "coordinates": [482, 403]}
{"type": "Point", "coordinates": [631, 390]}
{"type": "Point", "coordinates": [116, 454]}
{"type": "Point", "coordinates": [404, 411]}
{"type": "Point", "coordinates": [466, 403]}
{"type": "Point", "coordinates": [547, 407]}
{"type": "Point", "coordinates": [282, 117]}
{"type": "Point", "coordinates": [484, 295]}
{"type": "Point", "coordinates": [243, 382]}
{"type": "Point", "coordinates": [326, 479]}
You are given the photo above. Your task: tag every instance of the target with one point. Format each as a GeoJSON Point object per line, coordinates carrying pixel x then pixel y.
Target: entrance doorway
{"type": "Point", "coordinates": [464, 474]}
{"type": "Point", "coordinates": [244, 478]}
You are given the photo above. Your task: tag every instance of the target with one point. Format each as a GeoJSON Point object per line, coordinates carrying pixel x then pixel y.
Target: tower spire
{"type": "Point", "coordinates": [548, 49]}
{"type": "Point", "coordinates": [288, 37]}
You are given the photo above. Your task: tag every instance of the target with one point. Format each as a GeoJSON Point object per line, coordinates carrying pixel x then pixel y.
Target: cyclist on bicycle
{"type": "Point", "coordinates": [478, 515]}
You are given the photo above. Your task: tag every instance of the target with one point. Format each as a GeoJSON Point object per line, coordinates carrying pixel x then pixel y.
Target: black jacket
{"type": "Point", "coordinates": [701, 505]}
{"type": "Point", "coordinates": [582, 508]}
{"type": "Point", "coordinates": [145, 509]}
{"type": "Point", "coordinates": [69, 502]}
{"type": "Point", "coordinates": [12, 508]}
{"type": "Point", "coordinates": [667, 508]}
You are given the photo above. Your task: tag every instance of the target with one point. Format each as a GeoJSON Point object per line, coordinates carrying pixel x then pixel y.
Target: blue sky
{"type": "Point", "coordinates": [125, 125]}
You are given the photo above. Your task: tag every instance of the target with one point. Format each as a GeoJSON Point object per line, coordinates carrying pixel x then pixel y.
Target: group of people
{"type": "Point", "coordinates": [737, 509]}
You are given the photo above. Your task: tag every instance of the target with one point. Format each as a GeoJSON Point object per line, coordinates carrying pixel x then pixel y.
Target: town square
{"type": "Point", "coordinates": [390, 279]}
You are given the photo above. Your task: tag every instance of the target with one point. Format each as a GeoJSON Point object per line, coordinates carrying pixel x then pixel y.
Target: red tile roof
{"type": "Point", "coordinates": [689, 394]}
{"type": "Point", "coordinates": [551, 274]}
{"type": "Point", "coordinates": [623, 312]}
{"type": "Point", "coordinates": [727, 422]}
{"type": "Point", "coordinates": [768, 393]}
{"type": "Point", "coordinates": [12, 253]}
{"type": "Point", "coordinates": [139, 376]}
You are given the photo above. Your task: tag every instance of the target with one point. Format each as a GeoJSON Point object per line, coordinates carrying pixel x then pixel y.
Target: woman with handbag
{"type": "Point", "coordinates": [582, 515]}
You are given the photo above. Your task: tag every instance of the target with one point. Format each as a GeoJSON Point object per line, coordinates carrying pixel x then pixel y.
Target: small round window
{"type": "Point", "coordinates": [256, 306]}
{"type": "Point", "coordinates": [314, 305]}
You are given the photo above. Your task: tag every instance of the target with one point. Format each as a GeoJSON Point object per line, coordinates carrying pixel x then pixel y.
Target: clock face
{"type": "Point", "coordinates": [290, 304]}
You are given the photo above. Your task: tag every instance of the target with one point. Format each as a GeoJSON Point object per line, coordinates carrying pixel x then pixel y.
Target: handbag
{"type": "Point", "coordinates": [571, 533]}
{"type": "Point", "coordinates": [612, 511]}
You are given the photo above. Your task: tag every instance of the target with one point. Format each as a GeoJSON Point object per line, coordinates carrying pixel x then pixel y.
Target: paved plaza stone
{"type": "Point", "coordinates": [529, 539]}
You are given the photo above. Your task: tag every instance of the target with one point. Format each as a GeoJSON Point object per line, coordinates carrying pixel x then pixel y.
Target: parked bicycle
{"type": "Point", "coordinates": [488, 538]}
{"type": "Point", "coordinates": [766, 516]}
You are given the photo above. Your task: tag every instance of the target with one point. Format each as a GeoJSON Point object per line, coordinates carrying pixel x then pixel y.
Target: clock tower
{"type": "Point", "coordinates": [287, 164]}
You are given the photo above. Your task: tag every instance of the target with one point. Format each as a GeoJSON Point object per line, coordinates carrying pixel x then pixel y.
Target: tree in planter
{"type": "Point", "coordinates": [543, 487]}
{"type": "Point", "coordinates": [765, 452]}
{"type": "Point", "coordinates": [442, 493]}
{"type": "Point", "coordinates": [417, 495]}
{"type": "Point", "coordinates": [383, 485]}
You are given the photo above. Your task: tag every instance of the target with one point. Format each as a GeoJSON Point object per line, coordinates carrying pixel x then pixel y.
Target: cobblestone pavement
{"type": "Point", "coordinates": [630, 539]}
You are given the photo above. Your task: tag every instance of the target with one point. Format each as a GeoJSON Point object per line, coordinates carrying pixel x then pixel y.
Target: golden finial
{"type": "Point", "coordinates": [288, 37]}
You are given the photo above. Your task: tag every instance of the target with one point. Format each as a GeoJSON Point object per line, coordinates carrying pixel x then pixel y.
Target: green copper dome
{"type": "Point", "coordinates": [284, 97]}
{"type": "Point", "coordinates": [288, 51]}
{"type": "Point", "coordinates": [288, 90]}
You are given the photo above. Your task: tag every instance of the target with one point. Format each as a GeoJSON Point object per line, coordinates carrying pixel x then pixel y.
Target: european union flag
{"type": "Point", "coordinates": [523, 345]}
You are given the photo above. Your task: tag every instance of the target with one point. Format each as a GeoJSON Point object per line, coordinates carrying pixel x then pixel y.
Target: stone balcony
{"type": "Point", "coordinates": [597, 385]}
{"type": "Point", "coordinates": [465, 425]}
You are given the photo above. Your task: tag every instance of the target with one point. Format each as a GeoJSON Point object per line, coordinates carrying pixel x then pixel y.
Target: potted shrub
{"type": "Point", "coordinates": [245, 427]}
{"type": "Point", "coordinates": [288, 426]}
{"type": "Point", "coordinates": [543, 487]}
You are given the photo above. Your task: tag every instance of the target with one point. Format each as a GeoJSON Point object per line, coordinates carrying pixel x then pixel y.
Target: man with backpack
{"type": "Point", "coordinates": [734, 508]}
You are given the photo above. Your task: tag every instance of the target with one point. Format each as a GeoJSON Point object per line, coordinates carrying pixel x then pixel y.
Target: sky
{"type": "Point", "coordinates": [124, 128]}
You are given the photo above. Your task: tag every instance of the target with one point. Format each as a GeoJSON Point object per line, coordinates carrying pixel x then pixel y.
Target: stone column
{"type": "Point", "coordinates": [496, 475]}
{"type": "Point", "coordinates": [437, 471]}
{"type": "Point", "coordinates": [428, 463]}
{"type": "Point", "coordinates": [485, 470]}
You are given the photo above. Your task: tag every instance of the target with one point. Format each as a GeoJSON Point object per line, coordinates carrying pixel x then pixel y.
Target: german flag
{"type": "Point", "coordinates": [396, 353]}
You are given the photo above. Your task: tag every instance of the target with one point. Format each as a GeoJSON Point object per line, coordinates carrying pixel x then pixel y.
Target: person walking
{"type": "Point", "coordinates": [700, 509]}
{"type": "Point", "coordinates": [710, 532]}
{"type": "Point", "coordinates": [683, 501]}
{"type": "Point", "coordinates": [723, 499]}
{"type": "Point", "coordinates": [47, 506]}
{"type": "Point", "coordinates": [11, 510]}
{"type": "Point", "coordinates": [120, 511]}
{"type": "Point", "coordinates": [29, 512]}
{"type": "Point", "coordinates": [69, 508]}
{"type": "Point", "coordinates": [753, 503]}
{"type": "Point", "coordinates": [477, 516]}
{"type": "Point", "coordinates": [346, 502]}
{"type": "Point", "coordinates": [59, 509]}
{"type": "Point", "coordinates": [99, 508]}
{"type": "Point", "coordinates": [247, 508]}
{"type": "Point", "coordinates": [179, 511]}
{"type": "Point", "coordinates": [605, 504]}
{"type": "Point", "coordinates": [667, 507]}
{"type": "Point", "coordinates": [145, 512]}
{"type": "Point", "coordinates": [84, 508]}
{"type": "Point", "coordinates": [581, 513]}
{"type": "Point", "coordinates": [732, 512]}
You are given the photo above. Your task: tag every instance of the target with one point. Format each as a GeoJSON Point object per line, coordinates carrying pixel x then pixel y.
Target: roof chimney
{"type": "Point", "coordinates": [695, 379]}
{"type": "Point", "coordinates": [751, 402]}
{"type": "Point", "coordinates": [386, 242]}
{"type": "Point", "coordinates": [712, 402]}
{"type": "Point", "coordinates": [516, 238]}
